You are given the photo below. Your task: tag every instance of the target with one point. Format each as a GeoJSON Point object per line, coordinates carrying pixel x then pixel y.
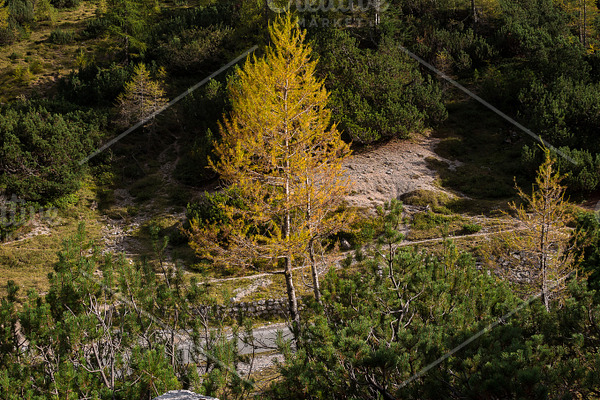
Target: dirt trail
{"type": "Point", "coordinates": [118, 234]}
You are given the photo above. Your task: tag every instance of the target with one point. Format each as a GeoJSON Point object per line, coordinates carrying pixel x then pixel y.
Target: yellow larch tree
{"type": "Point", "coordinates": [544, 216]}
{"type": "Point", "coordinates": [141, 98]}
{"type": "Point", "coordinates": [4, 14]}
{"type": "Point", "coordinates": [282, 157]}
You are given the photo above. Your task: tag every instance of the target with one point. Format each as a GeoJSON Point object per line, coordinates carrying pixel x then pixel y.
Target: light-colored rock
{"type": "Point", "coordinates": [344, 245]}
{"type": "Point", "coordinates": [183, 395]}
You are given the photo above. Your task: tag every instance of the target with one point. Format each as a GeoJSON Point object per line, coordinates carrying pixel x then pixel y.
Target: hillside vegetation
{"type": "Point", "coordinates": [426, 246]}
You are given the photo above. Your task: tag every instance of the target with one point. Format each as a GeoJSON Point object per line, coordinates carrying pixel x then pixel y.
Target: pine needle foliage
{"type": "Point", "coordinates": [282, 157]}
{"type": "Point", "coordinates": [544, 216]}
{"type": "Point", "coordinates": [141, 98]}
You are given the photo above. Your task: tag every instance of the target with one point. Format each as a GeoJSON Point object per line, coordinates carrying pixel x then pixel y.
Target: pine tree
{"type": "Point", "coordinates": [110, 329]}
{"type": "Point", "coordinates": [141, 98]}
{"type": "Point", "coordinates": [129, 21]}
{"type": "Point", "coordinates": [282, 158]}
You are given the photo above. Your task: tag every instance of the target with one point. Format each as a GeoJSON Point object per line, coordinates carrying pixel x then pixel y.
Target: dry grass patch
{"type": "Point", "coordinates": [28, 261]}
{"type": "Point", "coordinates": [34, 64]}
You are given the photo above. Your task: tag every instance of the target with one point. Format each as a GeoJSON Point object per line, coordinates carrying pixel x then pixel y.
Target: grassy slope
{"type": "Point", "coordinates": [477, 137]}
{"type": "Point", "coordinates": [29, 261]}
{"type": "Point", "coordinates": [46, 60]}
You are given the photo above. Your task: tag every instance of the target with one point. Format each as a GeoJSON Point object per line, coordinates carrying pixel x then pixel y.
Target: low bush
{"type": "Point", "coordinates": [36, 67]}
{"type": "Point", "coordinates": [587, 237]}
{"type": "Point", "coordinates": [95, 27]}
{"type": "Point", "coordinates": [423, 198]}
{"type": "Point", "coordinates": [22, 74]}
{"type": "Point", "coordinates": [22, 11]}
{"type": "Point", "coordinates": [41, 148]}
{"type": "Point", "coordinates": [94, 85]}
{"type": "Point", "coordinates": [9, 34]}
{"type": "Point", "coordinates": [59, 36]}
{"type": "Point", "coordinates": [428, 220]}
{"type": "Point", "coordinates": [461, 48]}
{"type": "Point", "coordinates": [207, 209]}
{"type": "Point", "coordinates": [192, 50]}
{"type": "Point", "coordinates": [376, 93]}
{"type": "Point", "coordinates": [468, 229]}
{"type": "Point", "coordinates": [582, 175]}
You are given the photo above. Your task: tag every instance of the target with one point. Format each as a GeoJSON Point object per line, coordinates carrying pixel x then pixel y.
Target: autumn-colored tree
{"type": "Point", "coordinates": [544, 216]}
{"type": "Point", "coordinates": [282, 158]}
{"type": "Point", "coordinates": [324, 188]}
{"type": "Point", "coordinates": [4, 14]}
{"type": "Point", "coordinates": [583, 13]}
{"type": "Point", "coordinates": [44, 11]}
{"type": "Point", "coordinates": [141, 98]}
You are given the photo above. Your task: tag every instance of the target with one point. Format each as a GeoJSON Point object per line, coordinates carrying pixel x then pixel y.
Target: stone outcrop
{"type": "Point", "coordinates": [518, 267]}
{"type": "Point", "coordinates": [265, 309]}
{"type": "Point", "coordinates": [183, 395]}
{"type": "Point", "coordinates": [271, 308]}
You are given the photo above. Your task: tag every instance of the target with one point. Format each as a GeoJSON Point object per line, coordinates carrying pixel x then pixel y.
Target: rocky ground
{"type": "Point", "coordinates": [391, 170]}
{"type": "Point", "coordinates": [118, 233]}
